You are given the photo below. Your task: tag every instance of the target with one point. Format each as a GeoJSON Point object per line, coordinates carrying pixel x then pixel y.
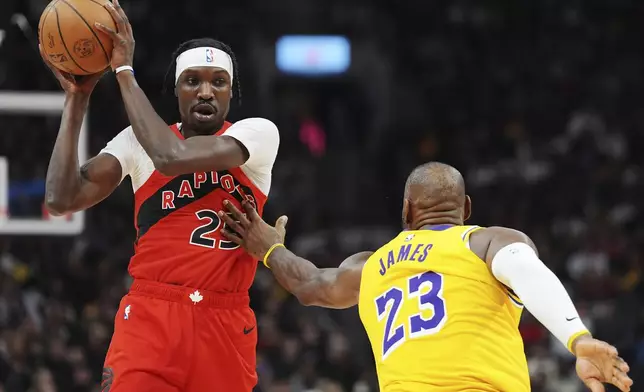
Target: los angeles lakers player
{"type": "Point", "coordinates": [441, 302]}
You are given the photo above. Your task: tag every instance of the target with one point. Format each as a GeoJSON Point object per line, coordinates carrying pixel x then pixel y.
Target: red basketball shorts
{"type": "Point", "coordinates": [177, 339]}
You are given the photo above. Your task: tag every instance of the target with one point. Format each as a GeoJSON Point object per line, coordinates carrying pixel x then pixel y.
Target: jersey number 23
{"type": "Point", "coordinates": [388, 306]}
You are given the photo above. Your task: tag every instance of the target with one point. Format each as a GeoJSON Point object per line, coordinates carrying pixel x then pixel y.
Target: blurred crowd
{"type": "Point", "coordinates": [537, 103]}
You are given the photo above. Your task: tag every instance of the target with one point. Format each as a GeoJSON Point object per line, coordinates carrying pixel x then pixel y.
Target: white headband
{"type": "Point", "coordinates": [204, 57]}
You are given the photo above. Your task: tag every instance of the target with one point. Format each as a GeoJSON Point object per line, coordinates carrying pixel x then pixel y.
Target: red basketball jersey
{"type": "Point", "coordinates": [179, 238]}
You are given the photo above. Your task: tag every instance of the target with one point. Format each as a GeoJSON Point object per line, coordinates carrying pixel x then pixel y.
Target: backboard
{"type": "Point", "coordinates": [32, 220]}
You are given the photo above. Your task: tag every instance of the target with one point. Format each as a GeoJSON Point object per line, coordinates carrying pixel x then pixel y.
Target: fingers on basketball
{"type": "Point", "coordinates": [127, 27]}
{"type": "Point", "coordinates": [111, 8]}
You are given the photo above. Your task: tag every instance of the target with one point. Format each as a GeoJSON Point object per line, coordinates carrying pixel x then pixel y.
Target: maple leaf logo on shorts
{"type": "Point", "coordinates": [196, 297]}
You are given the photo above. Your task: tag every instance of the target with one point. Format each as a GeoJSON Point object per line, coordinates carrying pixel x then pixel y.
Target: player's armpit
{"type": "Point", "coordinates": [202, 153]}
{"type": "Point", "coordinates": [96, 180]}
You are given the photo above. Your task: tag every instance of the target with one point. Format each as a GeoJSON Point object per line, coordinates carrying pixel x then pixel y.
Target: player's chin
{"type": "Point", "coordinates": [204, 123]}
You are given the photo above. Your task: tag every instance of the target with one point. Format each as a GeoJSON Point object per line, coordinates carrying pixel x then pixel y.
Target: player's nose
{"type": "Point", "coordinates": [206, 92]}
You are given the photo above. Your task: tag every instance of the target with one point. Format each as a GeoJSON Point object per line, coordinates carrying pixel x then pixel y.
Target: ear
{"type": "Point", "coordinates": [467, 210]}
{"type": "Point", "coordinates": [406, 214]}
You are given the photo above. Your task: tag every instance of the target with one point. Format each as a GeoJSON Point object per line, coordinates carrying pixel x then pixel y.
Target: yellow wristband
{"type": "Point", "coordinates": [575, 336]}
{"type": "Point", "coordinates": [270, 250]}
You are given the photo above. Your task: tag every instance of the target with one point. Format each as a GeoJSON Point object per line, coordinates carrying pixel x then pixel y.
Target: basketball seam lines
{"type": "Point", "coordinates": [62, 39]}
{"type": "Point", "coordinates": [90, 29]}
{"type": "Point", "coordinates": [44, 19]}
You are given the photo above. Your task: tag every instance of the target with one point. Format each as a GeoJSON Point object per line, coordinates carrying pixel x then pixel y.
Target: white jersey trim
{"type": "Point", "coordinates": [259, 135]}
{"type": "Point", "coordinates": [261, 138]}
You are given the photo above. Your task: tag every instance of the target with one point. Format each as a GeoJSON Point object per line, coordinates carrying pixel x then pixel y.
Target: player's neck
{"type": "Point", "coordinates": [427, 219]}
{"type": "Point", "coordinates": [188, 132]}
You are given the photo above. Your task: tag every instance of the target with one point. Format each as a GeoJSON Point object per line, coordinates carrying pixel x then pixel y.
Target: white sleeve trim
{"type": "Point", "coordinates": [261, 138]}
{"type": "Point", "coordinates": [518, 267]}
{"type": "Point", "coordinates": [122, 148]}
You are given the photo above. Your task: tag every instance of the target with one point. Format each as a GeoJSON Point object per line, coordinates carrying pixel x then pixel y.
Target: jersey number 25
{"type": "Point", "coordinates": [211, 223]}
{"type": "Point", "coordinates": [388, 306]}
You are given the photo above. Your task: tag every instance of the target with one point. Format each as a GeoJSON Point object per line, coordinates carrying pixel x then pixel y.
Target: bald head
{"type": "Point", "coordinates": [435, 181]}
{"type": "Point", "coordinates": [435, 191]}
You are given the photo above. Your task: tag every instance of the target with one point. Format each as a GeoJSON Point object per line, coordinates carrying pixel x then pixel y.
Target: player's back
{"type": "Point", "coordinates": [437, 319]}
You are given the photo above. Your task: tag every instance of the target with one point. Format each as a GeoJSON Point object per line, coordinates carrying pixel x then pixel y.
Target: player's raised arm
{"type": "Point", "coordinates": [204, 98]}
{"type": "Point", "coordinates": [68, 187]}
{"type": "Point", "coordinates": [328, 287]}
{"type": "Point", "coordinates": [512, 257]}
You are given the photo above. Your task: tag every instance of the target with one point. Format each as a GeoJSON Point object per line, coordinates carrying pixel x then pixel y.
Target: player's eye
{"type": "Point", "coordinates": [192, 81]}
{"type": "Point", "coordinates": [219, 82]}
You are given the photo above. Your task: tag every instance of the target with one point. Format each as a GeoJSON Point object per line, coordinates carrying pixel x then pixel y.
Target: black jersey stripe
{"type": "Point", "coordinates": [152, 211]}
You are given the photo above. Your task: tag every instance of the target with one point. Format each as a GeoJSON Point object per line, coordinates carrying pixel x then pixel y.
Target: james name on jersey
{"type": "Point", "coordinates": [404, 254]}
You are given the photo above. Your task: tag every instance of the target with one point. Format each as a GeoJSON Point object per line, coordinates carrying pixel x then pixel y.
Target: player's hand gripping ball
{"type": "Point", "coordinates": [122, 37]}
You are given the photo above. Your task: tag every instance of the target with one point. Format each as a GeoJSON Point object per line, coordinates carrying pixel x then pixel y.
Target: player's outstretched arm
{"type": "Point", "coordinates": [512, 258]}
{"type": "Point", "coordinates": [170, 155]}
{"type": "Point", "coordinates": [328, 287]}
{"type": "Point", "coordinates": [335, 288]}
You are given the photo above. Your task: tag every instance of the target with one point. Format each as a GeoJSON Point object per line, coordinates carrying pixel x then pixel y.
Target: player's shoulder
{"type": "Point", "coordinates": [481, 239]}
{"type": "Point", "coordinates": [496, 231]}
{"type": "Point", "coordinates": [261, 126]}
{"type": "Point", "coordinates": [257, 123]}
{"type": "Point", "coordinates": [127, 132]}
{"type": "Point", "coordinates": [122, 142]}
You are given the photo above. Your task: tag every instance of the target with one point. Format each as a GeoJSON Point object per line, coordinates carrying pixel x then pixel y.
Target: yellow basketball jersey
{"type": "Point", "coordinates": [438, 320]}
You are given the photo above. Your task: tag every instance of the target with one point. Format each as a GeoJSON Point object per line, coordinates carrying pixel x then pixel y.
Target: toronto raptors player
{"type": "Point", "coordinates": [186, 324]}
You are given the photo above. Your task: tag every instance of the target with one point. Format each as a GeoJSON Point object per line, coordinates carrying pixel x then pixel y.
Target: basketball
{"type": "Point", "coordinates": [69, 39]}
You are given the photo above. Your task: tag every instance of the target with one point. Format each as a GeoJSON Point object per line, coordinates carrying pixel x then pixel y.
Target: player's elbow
{"type": "Point", "coordinates": [171, 162]}
{"type": "Point", "coordinates": [56, 205]}
{"type": "Point", "coordinates": [56, 208]}
{"type": "Point", "coordinates": [306, 298]}
{"type": "Point", "coordinates": [168, 164]}
{"type": "Point", "coordinates": [165, 166]}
